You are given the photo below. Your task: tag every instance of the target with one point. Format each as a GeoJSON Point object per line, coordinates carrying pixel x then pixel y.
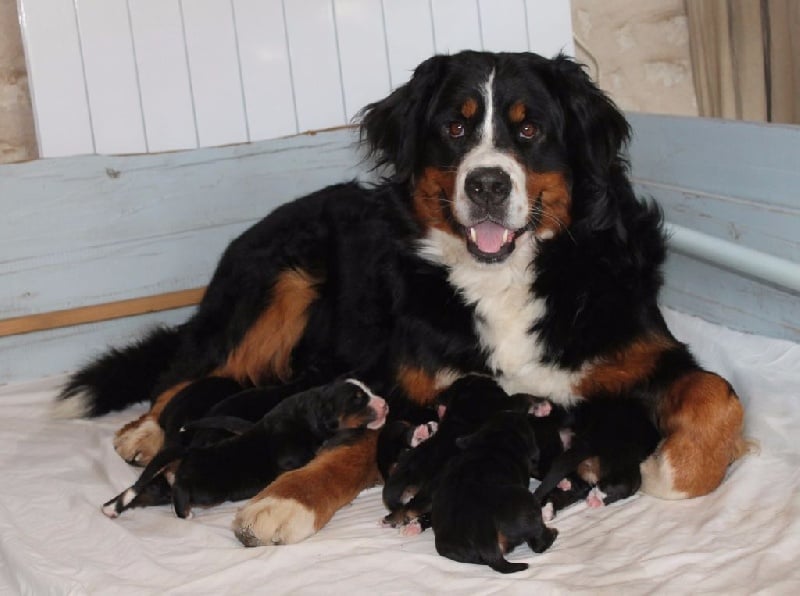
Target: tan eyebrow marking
{"type": "Point", "coordinates": [469, 108]}
{"type": "Point", "coordinates": [516, 113]}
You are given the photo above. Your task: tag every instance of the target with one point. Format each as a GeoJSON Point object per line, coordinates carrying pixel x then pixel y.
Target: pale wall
{"type": "Point", "coordinates": [641, 48]}
{"type": "Point", "coordinates": [638, 51]}
{"type": "Point", "coordinates": [17, 137]}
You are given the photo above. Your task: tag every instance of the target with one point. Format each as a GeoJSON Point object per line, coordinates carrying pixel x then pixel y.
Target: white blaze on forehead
{"type": "Point", "coordinates": [361, 386]}
{"type": "Point", "coordinates": [486, 155]}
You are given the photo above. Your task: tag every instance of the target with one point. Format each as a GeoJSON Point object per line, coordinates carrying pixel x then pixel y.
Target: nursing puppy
{"type": "Point", "coordinates": [608, 439]}
{"type": "Point", "coordinates": [287, 437]}
{"type": "Point", "coordinates": [482, 508]}
{"type": "Point", "coordinates": [463, 407]}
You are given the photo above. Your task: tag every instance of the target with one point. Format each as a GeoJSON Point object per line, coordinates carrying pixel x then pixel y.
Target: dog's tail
{"type": "Point", "coordinates": [118, 378]}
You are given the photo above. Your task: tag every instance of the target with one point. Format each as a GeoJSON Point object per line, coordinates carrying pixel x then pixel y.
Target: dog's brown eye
{"type": "Point", "coordinates": [456, 129]}
{"type": "Point", "coordinates": [527, 130]}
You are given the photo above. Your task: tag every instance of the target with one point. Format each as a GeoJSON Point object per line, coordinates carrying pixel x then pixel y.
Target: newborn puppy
{"type": "Point", "coordinates": [463, 408]}
{"type": "Point", "coordinates": [482, 508]}
{"type": "Point", "coordinates": [610, 437]}
{"type": "Point", "coordinates": [287, 437]}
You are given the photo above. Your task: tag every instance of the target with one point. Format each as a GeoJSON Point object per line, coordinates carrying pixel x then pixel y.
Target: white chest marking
{"type": "Point", "coordinates": [506, 311]}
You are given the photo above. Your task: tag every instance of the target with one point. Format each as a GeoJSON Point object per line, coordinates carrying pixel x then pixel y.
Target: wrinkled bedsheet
{"type": "Point", "coordinates": [743, 539]}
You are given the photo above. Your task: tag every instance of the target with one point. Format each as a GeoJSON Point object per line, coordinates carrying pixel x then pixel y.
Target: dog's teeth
{"type": "Point", "coordinates": [506, 236]}
{"type": "Point", "coordinates": [473, 235]}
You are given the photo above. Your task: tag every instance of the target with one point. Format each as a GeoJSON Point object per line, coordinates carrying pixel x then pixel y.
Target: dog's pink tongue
{"type": "Point", "coordinates": [488, 236]}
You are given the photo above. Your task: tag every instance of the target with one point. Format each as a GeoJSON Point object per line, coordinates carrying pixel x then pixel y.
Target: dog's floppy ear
{"type": "Point", "coordinates": [595, 133]}
{"type": "Point", "coordinates": [594, 124]}
{"type": "Point", "coordinates": [391, 127]}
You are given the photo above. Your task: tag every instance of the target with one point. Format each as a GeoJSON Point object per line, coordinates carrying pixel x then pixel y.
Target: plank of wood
{"type": "Point", "coordinates": [100, 312]}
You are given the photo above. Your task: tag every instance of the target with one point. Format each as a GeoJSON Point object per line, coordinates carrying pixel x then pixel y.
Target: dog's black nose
{"type": "Point", "coordinates": [488, 186]}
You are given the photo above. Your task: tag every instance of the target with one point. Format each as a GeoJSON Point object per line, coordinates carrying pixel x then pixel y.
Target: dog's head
{"type": "Point", "coordinates": [351, 404]}
{"type": "Point", "coordinates": [499, 147]}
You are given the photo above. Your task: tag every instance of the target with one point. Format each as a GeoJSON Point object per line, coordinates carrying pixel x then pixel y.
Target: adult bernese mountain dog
{"type": "Point", "coordinates": [505, 240]}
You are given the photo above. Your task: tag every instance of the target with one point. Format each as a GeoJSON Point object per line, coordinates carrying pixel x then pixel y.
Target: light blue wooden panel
{"type": "Point", "coordinates": [36, 355]}
{"type": "Point", "coordinates": [734, 181]}
{"type": "Point", "coordinates": [87, 230]}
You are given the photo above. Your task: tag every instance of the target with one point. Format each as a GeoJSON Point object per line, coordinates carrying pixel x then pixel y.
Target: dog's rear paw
{"type": "Point", "coordinates": [412, 528]}
{"type": "Point", "coordinates": [596, 498]}
{"type": "Point", "coordinates": [273, 520]}
{"type": "Point", "coordinates": [138, 442]}
{"type": "Point", "coordinates": [423, 432]}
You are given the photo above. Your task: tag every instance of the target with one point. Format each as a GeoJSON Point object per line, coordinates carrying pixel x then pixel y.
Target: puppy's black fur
{"type": "Point", "coordinates": [467, 404]}
{"type": "Point", "coordinates": [287, 437]}
{"type": "Point", "coordinates": [482, 508]}
{"type": "Point", "coordinates": [610, 437]}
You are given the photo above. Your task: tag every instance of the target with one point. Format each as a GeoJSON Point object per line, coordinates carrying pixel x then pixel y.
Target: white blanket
{"type": "Point", "coordinates": [742, 539]}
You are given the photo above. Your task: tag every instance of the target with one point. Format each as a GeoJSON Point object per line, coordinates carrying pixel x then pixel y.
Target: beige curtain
{"type": "Point", "coordinates": [746, 58]}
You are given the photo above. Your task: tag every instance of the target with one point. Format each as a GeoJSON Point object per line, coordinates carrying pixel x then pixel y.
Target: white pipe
{"type": "Point", "coordinates": [774, 270]}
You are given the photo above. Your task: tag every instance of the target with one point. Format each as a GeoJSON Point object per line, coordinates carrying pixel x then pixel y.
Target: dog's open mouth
{"type": "Point", "coordinates": [490, 242]}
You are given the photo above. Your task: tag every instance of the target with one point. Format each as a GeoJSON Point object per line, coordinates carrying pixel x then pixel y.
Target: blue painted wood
{"type": "Point", "coordinates": [86, 230]}
{"type": "Point", "coordinates": [736, 181]}
{"type": "Point", "coordinates": [57, 351]}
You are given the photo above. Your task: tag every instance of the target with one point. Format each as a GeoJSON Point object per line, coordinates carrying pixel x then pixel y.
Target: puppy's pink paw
{"type": "Point", "coordinates": [564, 484]}
{"type": "Point", "coordinates": [541, 408]}
{"type": "Point", "coordinates": [596, 498]}
{"type": "Point", "coordinates": [412, 528]}
{"type": "Point", "coordinates": [423, 432]}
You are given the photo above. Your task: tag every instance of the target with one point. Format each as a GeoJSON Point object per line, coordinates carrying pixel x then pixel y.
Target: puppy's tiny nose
{"type": "Point", "coordinates": [488, 186]}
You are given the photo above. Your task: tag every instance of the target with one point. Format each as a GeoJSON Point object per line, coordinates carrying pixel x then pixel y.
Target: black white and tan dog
{"type": "Point", "coordinates": [482, 508]}
{"type": "Point", "coordinates": [287, 437]}
{"type": "Point", "coordinates": [507, 240]}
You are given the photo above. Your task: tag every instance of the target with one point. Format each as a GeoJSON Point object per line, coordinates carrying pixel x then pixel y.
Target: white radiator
{"type": "Point", "coordinates": [144, 76]}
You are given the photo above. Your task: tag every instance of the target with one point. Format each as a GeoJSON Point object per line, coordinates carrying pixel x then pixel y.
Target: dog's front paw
{"type": "Point", "coordinates": [139, 441]}
{"type": "Point", "coordinates": [273, 520]}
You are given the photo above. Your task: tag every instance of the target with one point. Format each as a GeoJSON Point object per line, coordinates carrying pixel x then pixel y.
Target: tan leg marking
{"type": "Point", "coordinates": [300, 502]}
{"type": "Point", "coordinates": [701, 419]}
{"type": "Point", "coordinates": [138, 441]}
{"type": "Point", "coordinates": [622, 370]}
{"type": "Point", "coordinates": [264, 353]}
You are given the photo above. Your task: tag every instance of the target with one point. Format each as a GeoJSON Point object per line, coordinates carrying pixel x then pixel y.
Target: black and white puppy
{"type": "Point", "coordinates": [482, 508]}
{"type": "Point", "coordinates": [287, 437]}
{"type": "Point", "coordinates": [463, 408]}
